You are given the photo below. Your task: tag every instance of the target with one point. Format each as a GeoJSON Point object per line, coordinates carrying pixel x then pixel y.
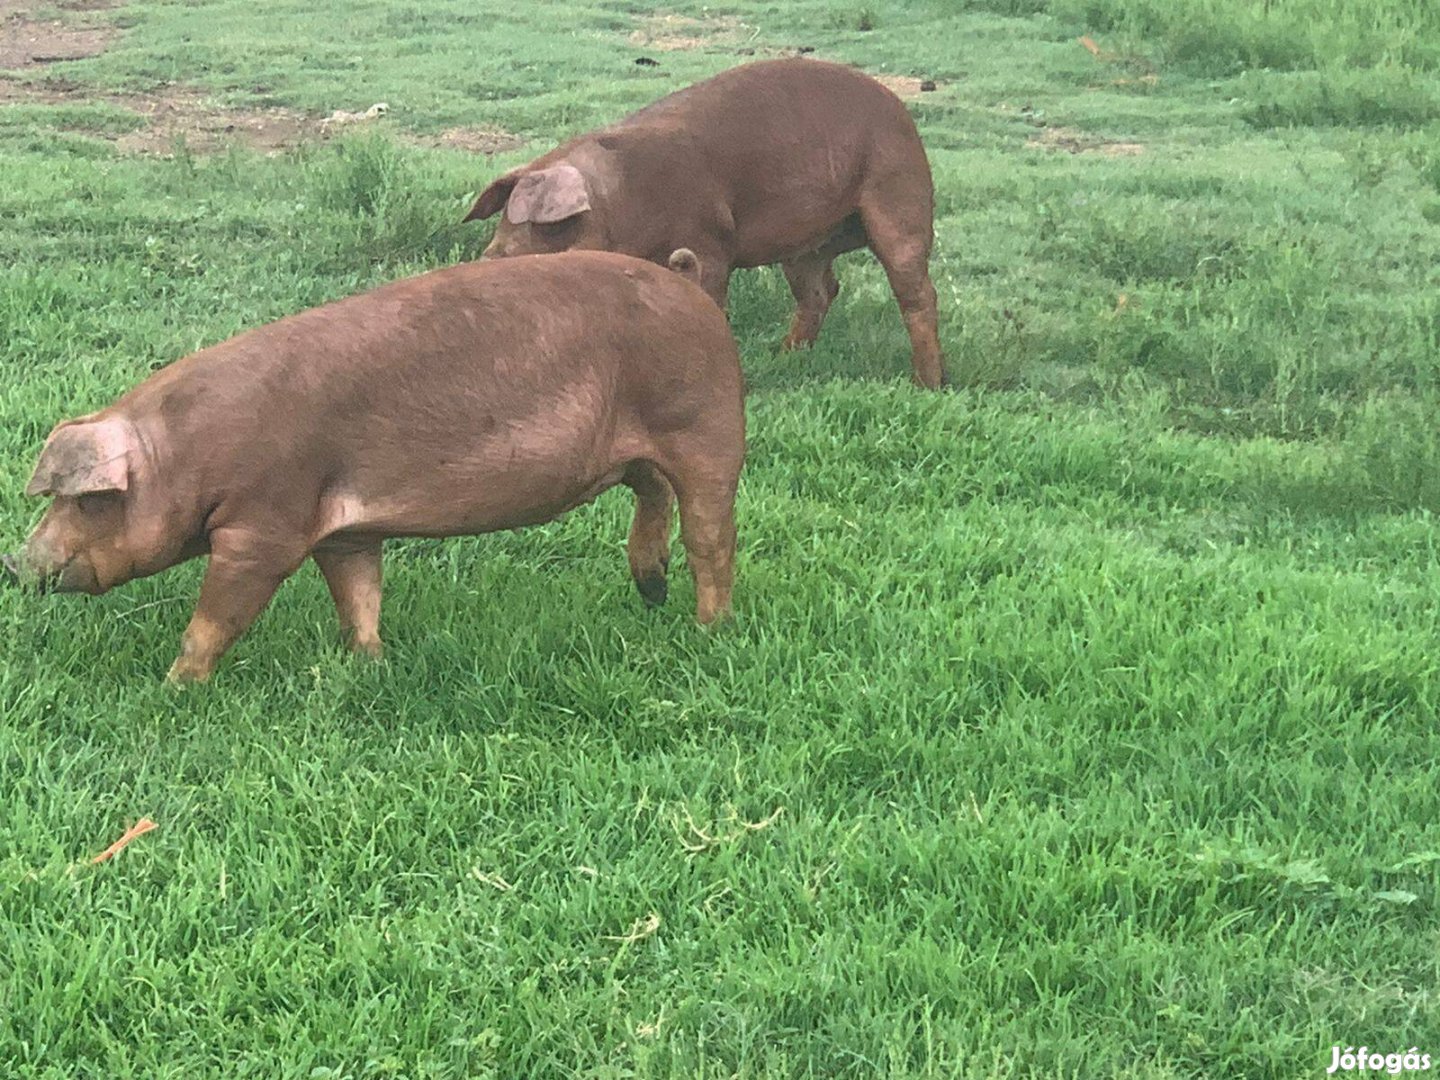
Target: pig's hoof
{"type": "Point", "coordinates": [183, 672]}
{"type": "Point", "coordinates": [653, 589]}
{"type": "Point", "coordinates": [372, 649]}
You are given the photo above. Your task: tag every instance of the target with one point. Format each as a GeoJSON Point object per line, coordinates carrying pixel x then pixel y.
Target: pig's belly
{"type": "Point", "coordinates": [764, 242]}
{"type": "Point", "coordinates": [459, 505]}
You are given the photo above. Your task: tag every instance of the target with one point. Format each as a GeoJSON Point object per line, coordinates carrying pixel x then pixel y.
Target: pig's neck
{"type": "Point", "coordinates": [174, 500]}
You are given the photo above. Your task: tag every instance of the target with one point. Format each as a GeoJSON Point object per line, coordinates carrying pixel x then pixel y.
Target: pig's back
{"type": "Point", "coordinates": [528, 321]}
{"type": "Point", "coordinates": [514, 328]}
{"type": "Point", "coordinates": [776, 105]}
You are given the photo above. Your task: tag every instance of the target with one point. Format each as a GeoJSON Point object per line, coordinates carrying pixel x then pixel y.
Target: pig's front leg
{"type": "Point", "coordinates": [240, 579]}
{"type": "Point", "coordinates": [354, 580]}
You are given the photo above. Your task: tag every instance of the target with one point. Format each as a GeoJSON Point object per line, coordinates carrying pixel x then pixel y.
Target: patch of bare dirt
{"type": "Point", "coordinates": [667, 32]}
{"type": "Point", "coordinates": [1077, 142]}
{"type": "Point", "coordinates": [183, 117]}
{"type": "Point", "coordinates": [10, 9]}
{"type": "Point", "coordinates": [777, 52]}
{"type": "Point", "coordinates": [173, 115]}
{"type": "Point", "coordinates": [13, 91]}
{"type": "Point", "coordinates": [906, 87]}
{"type": "Point", "coordinates": [27, 42]}
{"type": "Point", "coordinates": [474, 139]}
{"type": "Point", "coordinates": [178, 115]}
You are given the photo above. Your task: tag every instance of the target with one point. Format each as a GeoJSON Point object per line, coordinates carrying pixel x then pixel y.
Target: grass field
{"type": "Point", "coordinates": [1078, 723]}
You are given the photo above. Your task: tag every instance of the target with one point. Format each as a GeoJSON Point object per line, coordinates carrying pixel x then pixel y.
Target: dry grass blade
{"type": "Point", "coordinates": [495, 881]}
{"type": "Point", "coordinates": [695, 839]}
{"type": "Point", "coordinates": [140, 828]}
{"type": "Point", "coordinates": [640, 929]}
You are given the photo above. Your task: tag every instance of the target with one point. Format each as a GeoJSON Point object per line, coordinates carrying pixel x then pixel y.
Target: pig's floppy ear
{"type": "Point", "coordinates": [83, 458]}
{"type": "Point", "coordinates": [492, 198]}
{"type": "Point", "coordinates": [548, 195]}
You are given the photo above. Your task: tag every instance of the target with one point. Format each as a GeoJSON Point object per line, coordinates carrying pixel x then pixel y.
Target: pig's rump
{"type": "Point", "coordinates": [791, 145]}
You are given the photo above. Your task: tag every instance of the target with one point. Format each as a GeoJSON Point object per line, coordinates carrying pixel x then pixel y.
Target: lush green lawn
{"type": "Point", "coordinates": [1078, 723]}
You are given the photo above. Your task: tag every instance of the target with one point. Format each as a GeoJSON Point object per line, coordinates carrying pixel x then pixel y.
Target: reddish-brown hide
{"type": "Point", "coordinates": [784, 161]}
{"type": "Point", "coordinates": [474, 398]}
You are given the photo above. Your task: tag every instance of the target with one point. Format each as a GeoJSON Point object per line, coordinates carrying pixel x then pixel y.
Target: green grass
{"type": "Point", "coordinates": [1087, 715]}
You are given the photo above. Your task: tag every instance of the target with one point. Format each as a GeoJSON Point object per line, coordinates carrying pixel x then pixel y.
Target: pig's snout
{"type": "Point", "coordinates": [17, 570]}
{"type": "Point", "coordinates": [34, 570]}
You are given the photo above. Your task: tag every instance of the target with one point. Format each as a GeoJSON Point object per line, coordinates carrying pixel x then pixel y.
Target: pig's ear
{"type": "Point", "coordinates": [548, 195]}
{"type": "Point", "coordinates": [493, 198]}
{"type": "Point", "coordinates": [83, 458]}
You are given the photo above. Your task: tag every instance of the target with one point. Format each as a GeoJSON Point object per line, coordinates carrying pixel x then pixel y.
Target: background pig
{"type": "Point", "coordinates": [784, 161]}
{"type": "Point", "coordinates": [474, 398]}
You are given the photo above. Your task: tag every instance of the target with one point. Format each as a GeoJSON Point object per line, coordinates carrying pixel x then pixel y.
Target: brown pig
{"type": "Point", "coordinates": [783, 161]}
{"type": "Point", "coordinates": [474, 398]}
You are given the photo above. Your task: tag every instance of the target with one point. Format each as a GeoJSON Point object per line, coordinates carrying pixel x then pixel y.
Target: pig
{"type": "Point", "coordinates": [782, 161]}
{"type": "Point", "coordinates": [474, 398]}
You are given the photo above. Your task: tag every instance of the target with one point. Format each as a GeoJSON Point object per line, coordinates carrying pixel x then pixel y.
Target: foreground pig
{"type": "Point", "coordinates": [474, 398]}
{"type": "Point", "coordinates": [784, 161]}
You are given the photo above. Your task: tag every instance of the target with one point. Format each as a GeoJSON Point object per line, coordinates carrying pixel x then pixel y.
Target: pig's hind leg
{"type": "Point", "coordinates": [243, 574]}
{"type": "Point", "coordinates": [649, 547]}
{"type": "Point", "coordinates": [706, 494]}
{"type": "Point", "coordinates": [813, 283]}
{"type": "Point", "coordinates": [353, 576]}
{"type": "Point", "coordinates": [899, 223]}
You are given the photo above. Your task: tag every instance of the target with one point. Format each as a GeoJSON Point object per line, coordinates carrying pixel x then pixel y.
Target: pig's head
{"type": "Point", "coordinates": [546, 210]}
{"type": "Point", "coordinates": [90, 539]}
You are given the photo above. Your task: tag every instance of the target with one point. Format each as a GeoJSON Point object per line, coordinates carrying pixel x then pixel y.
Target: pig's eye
{"type": "Point", "coordinates": [556, 232]}
{"type": "Point", "coordinates": [94, 504]}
